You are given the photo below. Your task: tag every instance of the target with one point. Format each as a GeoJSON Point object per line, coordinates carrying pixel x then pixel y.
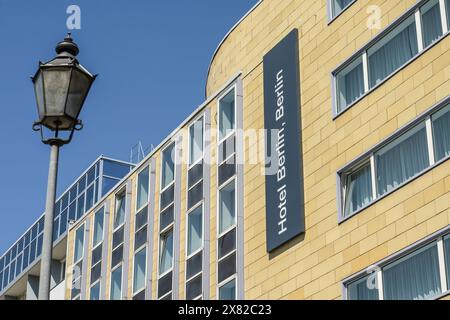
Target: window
{"type": "Point", "coordinates": [98, 227]}
{"type": "Point", "coordinates": [416, 273]}
{"type": "Point", "coordinates": [116, 284]}
{"type": "Point", "coordinates": [350, 84]}
{"type": "Point", "coordinates": [228, 291]}
{"type": "Point", "coordinates": [420, 146]}
{"type": "Point", "coordinates": [196, 141]}
{"type": "Point", "coordinates": [402, 159]}
{"type": "Point", "coordinates": [404, 40]}
{"type": "Point", "coordinates": [139, 270]}
{"type": "Point", "coordinates": [431, 22]}
{"type": "Point", "coordinates": [393, 51]}
{"type": "Point", "coordinates": [227, 114]}
{"type": "Point", "coordinates": [447, 9]}
{"type": "Point", "coordinates": [142, 188]}
{"type": "Point", "coordinates": [79, 241]}
{"type": "Point", "coordinates": [166, 255]}
{"type": "Point", "coordinates": [358, 189]}
{"type": "Point", "coordinates": [195, 230]}
{"type": "Point", "coordinates": [363, 289]}
{"type": "Point", "coordinates": [168, 166]}
{"type": "Point", "coordinates": [227, 207]}
{"type": "Point", "coordinates": [77, 262]}
{"type": "Point", "coordinates": [337, 6]}
{"type": "Point", "coordinates": [119, 217]}
{"type": "Point", "coordinates": [447, 259]}
{"type": "Point", "coordinates": [95, 292]}
{"type": "Point", "coordinates": [441, 133]}
{"type": "Point", "coordinates": [140, 254]}
{"type": "Point", "coordinates": [414, 277]}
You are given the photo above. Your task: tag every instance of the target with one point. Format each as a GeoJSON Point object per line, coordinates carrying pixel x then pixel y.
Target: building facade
{"type": "Point", "coordinates": [369, 88]}
{"type": "Point", "coordinates": [20, 265]}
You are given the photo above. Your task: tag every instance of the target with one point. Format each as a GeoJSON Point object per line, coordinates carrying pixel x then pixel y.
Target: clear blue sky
{"type": "Point", "coordinates": [151, 57]}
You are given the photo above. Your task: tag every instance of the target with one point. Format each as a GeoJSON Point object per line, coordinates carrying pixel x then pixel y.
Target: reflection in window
{"type": "Point", "coordinates": [226, 114]}
{"type": "Point", "coordinates": [116, 284]}
{"type": "Point", "coordinates": [142, 188]}
{"type": "Point", "coordinates": [196, 141]}
{"type": "Point", "coordinates": [195, 230]}
{"type": "Point", "coordinates": [166, 255]}
{"type": "Point", "coordinates": [226, 207]}
{"type": "Point", "coordinates": [337, 6]}
{"type": "Point", "coordinates": [228, 291]}
{"type": "Point", "coordinates": [358, 190]}
{"type": "Point", "coordinates": [168, 167]}
{"type": "Point", "coordinates": [119, 217]}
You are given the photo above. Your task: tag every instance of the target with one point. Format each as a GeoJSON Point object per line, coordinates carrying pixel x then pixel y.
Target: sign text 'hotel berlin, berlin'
{"type": "Point", "coordinates": [284, 190]}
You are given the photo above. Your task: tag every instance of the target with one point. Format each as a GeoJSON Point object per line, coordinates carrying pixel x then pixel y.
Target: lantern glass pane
{"type": "Point", "coordinates": [79, 86]}
{"type": "Point", "coordinates": [56, 84]}
{"type": "Point", "coordinates": [39, 91]}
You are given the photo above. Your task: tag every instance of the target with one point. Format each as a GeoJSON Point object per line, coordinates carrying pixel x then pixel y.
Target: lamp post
{"type": "Point", "coordinates": [61, 87]}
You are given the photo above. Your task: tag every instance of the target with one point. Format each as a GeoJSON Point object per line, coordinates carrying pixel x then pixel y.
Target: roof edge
{"type": "Point", "coordinates": [224, 39]}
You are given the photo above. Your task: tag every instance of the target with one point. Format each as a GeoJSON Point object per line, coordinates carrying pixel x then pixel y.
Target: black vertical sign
{"type": "Point", "coordinates": [285, 218]}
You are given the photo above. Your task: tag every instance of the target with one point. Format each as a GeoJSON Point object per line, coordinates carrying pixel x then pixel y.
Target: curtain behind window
{"type": "Point", "coordinates": [432, 26]}
{"type": "Point", "coordinates": [401, 162]}
{"type": "Point", "coordinates": [415, 278]}
{"type": "Point", "coordinates": [441, 133]}
{"type": "Point", "coordinates": [358, 190]}
{"type": "Point", "coordinates": [393, 54]}
{"type": "Point", "coordinates": [359, 290]}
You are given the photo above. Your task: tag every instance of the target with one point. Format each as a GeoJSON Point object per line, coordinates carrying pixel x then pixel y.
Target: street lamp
{"type": "Point", "coordinates": [61, 87]}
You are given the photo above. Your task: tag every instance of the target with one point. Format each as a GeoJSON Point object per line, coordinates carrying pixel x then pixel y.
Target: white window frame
{"type": "Point", "coordinates": [146, 167]}
{"type": "Point", "coordinates": [432, 240]}
{"type": "Point", "coordinates": [423, 121]}
{"type": "Point", "coordinates": [332, 15]}
{"type": "Point", "coordinates": [75, 262]}
{"type": "Point", "coordinates": [142, 248]}
{"type": "Point", "coordinates": [414, 12]}
{"type": "Point", "coordinates": [231, 132]}
{"type": "Point", "coordinates": [191, 163]}
{"type": "Point", "coordinates": [120, 265]}
{"type": "Point", "coordinates": [161, 188]}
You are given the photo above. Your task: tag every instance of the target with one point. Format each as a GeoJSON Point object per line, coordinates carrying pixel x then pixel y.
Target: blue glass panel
{"type": "Point", "coordinates": [115, 169]}
{"type": "Point", "coordinates": [63, 222]}
{"type": "Point", "coordinates": [108, 184]}
{"type": "Point", "coordinates": [39, 245]}
{"type": "Point", "coordinates": [40, 226]}
{"type": "Point", "coordinates": [91, 176]}
{"type": "Point", "coordinates": [73, 193]}
{"type": "Point", "coordinates": [89, 197]}
{"type": "Point", "coordinates": [73, 211]}
{"type": "Point", "coordinates": [80, 206]}
{"type": "Point", "coordinates": [26, 257]}
{"type": "Point", "coordinates": [19, 265]}
{"type": "Point", "coordinates": [81, 184]}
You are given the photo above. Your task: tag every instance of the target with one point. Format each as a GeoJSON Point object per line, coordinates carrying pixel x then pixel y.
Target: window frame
{"type": "Point", "coordinates": [142, 248]}
{"type": "Point", "coordinates": [221, 97]}
{"type": "Point", "coordinates": [191, 163]}
{"type": "Point", "coordinates": [436, 239]}
{"type": "Point", "coordinates": [161, 188]}
{"type": "Point", "coordinates": [146, 167]}
{"type": "Point", "coordinates": [330, 10]}
{"type": "Point", "coordinates": [370, 156]}
{"type": "Point", "coordinates": [412, 11]}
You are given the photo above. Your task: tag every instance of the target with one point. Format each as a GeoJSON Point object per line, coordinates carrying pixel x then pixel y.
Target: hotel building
{"type": "Point", "coordinates": [316, 168]}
